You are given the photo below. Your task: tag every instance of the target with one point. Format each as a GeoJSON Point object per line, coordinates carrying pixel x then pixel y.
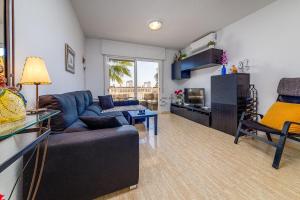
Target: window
{"type": "Point", "coordinates": [134, 79]}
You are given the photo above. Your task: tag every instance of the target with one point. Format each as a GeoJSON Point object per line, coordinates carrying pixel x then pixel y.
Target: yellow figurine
{"type": "Point", "coordinates": [233, 69]}
{"type": "Point", "coordinates": [12, 107]}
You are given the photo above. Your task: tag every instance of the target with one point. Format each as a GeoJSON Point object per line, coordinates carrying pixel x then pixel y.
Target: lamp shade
{"type": "Point", "coordinates": [35, 72]}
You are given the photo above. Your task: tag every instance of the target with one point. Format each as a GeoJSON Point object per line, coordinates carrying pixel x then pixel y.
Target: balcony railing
{"type": "Point", "coordinates": [148, 96]}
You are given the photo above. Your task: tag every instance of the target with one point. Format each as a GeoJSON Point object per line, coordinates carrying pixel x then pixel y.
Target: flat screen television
{"type": "Point", "coordinates": [194, 96]}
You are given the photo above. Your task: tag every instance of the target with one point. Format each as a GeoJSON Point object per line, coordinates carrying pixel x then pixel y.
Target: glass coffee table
{"type": "Point", "coordinates": [134, 115]}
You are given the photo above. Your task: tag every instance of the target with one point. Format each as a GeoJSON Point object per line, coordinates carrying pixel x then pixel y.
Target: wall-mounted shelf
{"type": "Point", "coordinates": [209, 58]}
{"type": "Point", "coordinates": [178, 74]}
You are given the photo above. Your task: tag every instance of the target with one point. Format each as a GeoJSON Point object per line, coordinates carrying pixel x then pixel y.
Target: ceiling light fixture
{"type": "Point", "coordinates": [155, 25]}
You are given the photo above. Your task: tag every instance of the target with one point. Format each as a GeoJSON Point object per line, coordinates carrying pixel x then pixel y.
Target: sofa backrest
{"type": "Point", "coordinates": [83, 100]}
{"type": "Point", "coordinates": [71, 105]}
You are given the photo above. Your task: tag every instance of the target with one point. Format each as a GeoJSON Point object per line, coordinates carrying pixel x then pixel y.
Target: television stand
{"type": "Point", "coordinates": [194, 106]}
{"type": "Point", "coordinates": [199, 115]}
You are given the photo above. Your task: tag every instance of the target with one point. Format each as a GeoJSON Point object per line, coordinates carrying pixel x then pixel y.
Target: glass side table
{"type": "Point", "coordinates": [33, 133]}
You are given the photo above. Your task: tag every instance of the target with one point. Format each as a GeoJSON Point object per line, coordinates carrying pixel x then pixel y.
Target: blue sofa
{"type": "Point", "coordinates": [81, 163]}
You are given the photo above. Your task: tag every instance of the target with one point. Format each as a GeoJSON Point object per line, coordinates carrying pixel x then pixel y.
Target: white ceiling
{"type": "Point", "coordinates": [183, 20]}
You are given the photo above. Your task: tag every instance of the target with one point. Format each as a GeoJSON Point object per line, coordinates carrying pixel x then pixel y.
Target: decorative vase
{"type": "Point", "coordinates": [179, 101]}
{"type": "Point", "coordinates": [223, 70]}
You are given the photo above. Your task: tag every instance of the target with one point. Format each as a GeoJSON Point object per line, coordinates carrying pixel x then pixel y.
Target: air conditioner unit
{"type": "Point", "coordinates": [200, 44]}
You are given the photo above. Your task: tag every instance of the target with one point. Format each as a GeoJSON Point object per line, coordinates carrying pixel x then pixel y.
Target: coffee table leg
{"type": "Point", "coordinates": [132, 121]}
{"type": "Point", "coordinates": [147, 122]}
{"type": "Point", "coordinates": [155, 125]}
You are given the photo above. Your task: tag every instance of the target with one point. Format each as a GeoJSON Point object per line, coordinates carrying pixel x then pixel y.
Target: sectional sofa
{"type": "Point", "coordinates": [81, 163]}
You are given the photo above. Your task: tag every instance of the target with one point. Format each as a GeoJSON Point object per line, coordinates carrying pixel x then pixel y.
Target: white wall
{"type": "Point", "coordinates": [126, 49]}
{"type": "Point", "coordinates": [96, 49]}
{"type": "Point", "coordinates": [168, 86]}
{"type": "Point", "coordinates": [42, 27]}
{"type": "Point", "coordinates": [94, 67]}
{"type": "Point", "coordinates": [1, 35]}
{"type": "Point", "coordinates": [270, 39]}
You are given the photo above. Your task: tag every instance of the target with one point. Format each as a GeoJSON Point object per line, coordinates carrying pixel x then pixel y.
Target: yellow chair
{"type": "Point", "coordinates": [282, 119]}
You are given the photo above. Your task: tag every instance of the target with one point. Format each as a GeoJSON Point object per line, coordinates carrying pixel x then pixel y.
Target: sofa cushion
{"type": "Point", "coordinates": [83, 100]}
{"type": "Point", "coordinates": [94, 108]}
{"type": "Point", "coordinates": [118, 115]}
{"type": "Point", "coordinates": [126, 103]}
{"type": "Point", "coordinates": [100, 122]}
{"type": "Point", "coordinates": [89, 113]}
{"type": "Point", "coordinates": [77, 126]}
{"type": "Point", "coordinates": [66, 103]}
{"type": "Point", "coordinates": [114, 114]}
{"type": "Point", "coordinates": [106, 102]}
{"type": "Point", "coordinates": [125, 108]}
{"type": "Point", "coordinates": [281, 112]}
{"type": "Point", "coordinates": [88, 98]}
{"type": "Point", "coordinates": [80, 101]}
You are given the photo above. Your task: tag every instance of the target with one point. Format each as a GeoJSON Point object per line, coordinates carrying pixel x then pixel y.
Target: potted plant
{"type": "Point", "coordinates": [180, 56]}
{"type": "Point", "coordinates": [179, 96]}
{"type": "Point", "coordinates": [211, 44]}
{"type": "Point", "coordinates": [1, 196]}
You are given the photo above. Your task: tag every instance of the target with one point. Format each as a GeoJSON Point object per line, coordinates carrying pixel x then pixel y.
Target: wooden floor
{"type": "Point", "coordinates": [189, 161]}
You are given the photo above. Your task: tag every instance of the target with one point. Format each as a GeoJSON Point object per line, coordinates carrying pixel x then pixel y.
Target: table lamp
{"type": "Point", "coordinates": [35, 73]}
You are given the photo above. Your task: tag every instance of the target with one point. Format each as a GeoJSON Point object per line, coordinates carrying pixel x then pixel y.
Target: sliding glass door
{"type": "Point", "coordinates": [148, 83]}
{"type": "Point", "coordinates": [121, 79]}
{"type": "Point", "coordinates": [134, 79]}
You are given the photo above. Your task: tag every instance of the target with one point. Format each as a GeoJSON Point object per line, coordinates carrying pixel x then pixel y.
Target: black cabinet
{"type": "Point", "coordinates": [198, 115]}
{"type": "Point", "coordinates": [178, 74]}
{"type": "Point", "coordinates": [228, 100]}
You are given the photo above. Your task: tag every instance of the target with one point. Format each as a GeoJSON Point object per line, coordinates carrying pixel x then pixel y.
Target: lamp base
{"type": "Point", "coordinates": [35, 111]}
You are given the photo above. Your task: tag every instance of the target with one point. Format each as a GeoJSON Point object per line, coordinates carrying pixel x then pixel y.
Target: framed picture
{"type": "Point", "coordinates": [70, 59]}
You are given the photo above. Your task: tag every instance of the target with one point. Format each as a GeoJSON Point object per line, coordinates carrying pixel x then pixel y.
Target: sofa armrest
{"type": "Point", "coordinates": [85, 165]}
{"type": "Point", "coordinates": [126, 103]}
